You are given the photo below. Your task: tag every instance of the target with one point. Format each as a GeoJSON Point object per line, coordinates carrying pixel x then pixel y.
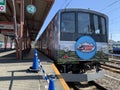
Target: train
{"type": "Point", "coordinates": [116, 48]}
{"type": "Point", "coordinates": [74, 40]}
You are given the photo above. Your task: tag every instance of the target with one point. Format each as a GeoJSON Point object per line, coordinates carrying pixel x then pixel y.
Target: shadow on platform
{"type": "Point", "coordinates": [11, 58]}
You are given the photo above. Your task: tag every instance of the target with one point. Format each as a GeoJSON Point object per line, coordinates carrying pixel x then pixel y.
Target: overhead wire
{"type": "Point", "coordinates": [62, 6]}
{"type": "Point", "coordinates": [113, 11]}
{"type": "Point", "coordinates": [111, 4]}
{"type": "Point", "coordinates": [114, 8]}
{"type": "Point", "coordinates": [68, 4]}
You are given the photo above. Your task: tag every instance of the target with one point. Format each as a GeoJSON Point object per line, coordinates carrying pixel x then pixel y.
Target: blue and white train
{"type": "Point", "coordinates": [116, 48]}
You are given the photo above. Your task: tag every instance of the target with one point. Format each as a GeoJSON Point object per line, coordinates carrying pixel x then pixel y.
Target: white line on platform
{"type": "Point", "coordinates": [6, 53]}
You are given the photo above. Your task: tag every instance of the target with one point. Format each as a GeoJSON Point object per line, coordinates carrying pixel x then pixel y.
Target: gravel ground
{"type": "Point", "coordinates": [113, 64]}
{"type": "Point", "coordinates": [111, 81]}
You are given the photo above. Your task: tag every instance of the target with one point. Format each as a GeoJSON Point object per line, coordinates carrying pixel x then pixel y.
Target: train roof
{"type": "Point", "coordinates": [84, 10]}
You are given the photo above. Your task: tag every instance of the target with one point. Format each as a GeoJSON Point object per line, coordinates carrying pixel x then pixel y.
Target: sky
{"type": "Point", "coordinates": [109, 7]}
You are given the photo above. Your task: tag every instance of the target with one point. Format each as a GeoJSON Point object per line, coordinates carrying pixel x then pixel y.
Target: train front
{"type": "Point", "coordinates": [83, 44]}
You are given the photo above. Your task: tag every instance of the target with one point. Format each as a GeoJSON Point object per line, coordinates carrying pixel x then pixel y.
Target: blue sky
{"type": "Point", "coordinates": [109, 7]}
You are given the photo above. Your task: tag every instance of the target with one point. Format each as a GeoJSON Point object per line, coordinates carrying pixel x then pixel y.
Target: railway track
{"type": "Point", "coordinates": [115, 61]}
{"type": "Point", "coordinates": [114, 57]}
{"type": "Point", "coordinates": [91, 85]}
{"type": "Point", "coordinates": [111, 68]}
{"type": "Point", "coordinates": [113, 64]}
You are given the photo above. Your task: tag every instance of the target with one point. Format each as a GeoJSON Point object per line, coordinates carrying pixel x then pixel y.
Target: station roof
{"type": "Point", "coordinates": [32, 22]}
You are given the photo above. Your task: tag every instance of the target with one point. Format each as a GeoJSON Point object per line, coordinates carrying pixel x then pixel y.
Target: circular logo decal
{"type": "Point", "coordinates": [85, 47]}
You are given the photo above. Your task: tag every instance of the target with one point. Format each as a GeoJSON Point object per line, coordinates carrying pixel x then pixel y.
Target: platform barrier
{"type": "Point", "coordinates": [35, 66]}
{"type": "Point", "coordinates": [45, 76]}
{"type": "Point", "coordinates": [51, 85]}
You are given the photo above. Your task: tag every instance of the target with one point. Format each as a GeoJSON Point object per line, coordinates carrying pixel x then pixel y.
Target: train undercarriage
{"type": "Point", "coordinates": [83, 71]}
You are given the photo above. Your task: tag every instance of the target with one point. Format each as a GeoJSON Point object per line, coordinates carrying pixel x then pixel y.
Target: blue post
{"type": "Point", "coordinates": [35, 61]}
{"type": "Point", "coordinates": [35, 67]}
{"type": "Point", "coordinates": [51, 85]}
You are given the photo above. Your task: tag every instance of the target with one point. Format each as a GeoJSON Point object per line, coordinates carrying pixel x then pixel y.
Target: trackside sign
{"type": "Point", "coordinates": [2, 5]}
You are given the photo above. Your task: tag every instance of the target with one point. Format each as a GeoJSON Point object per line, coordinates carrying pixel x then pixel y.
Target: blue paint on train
{"type": "Point", "coordinates": [85, 47]}
{"type": "Point", "coordinates": [116, 48]}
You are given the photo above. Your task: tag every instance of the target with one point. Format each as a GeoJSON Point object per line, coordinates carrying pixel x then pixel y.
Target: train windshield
{"type": "Point", "coordinates": [76, 24]}
{"type": "Point", "coordinates": [68, 22]}
{"type": "Point", "coordinates": [90, 24]}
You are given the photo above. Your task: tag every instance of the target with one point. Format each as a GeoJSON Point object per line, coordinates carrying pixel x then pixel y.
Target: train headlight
{"type": "Point", "coordinates": [66, 49]}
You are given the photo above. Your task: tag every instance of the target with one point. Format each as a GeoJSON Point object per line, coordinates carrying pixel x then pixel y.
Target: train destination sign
{"type": "Point", "coordinates": [2, 5]}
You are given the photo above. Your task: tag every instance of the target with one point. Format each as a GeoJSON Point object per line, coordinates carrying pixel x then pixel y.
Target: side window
{"type": "Point", "coordinates": [68, 22]}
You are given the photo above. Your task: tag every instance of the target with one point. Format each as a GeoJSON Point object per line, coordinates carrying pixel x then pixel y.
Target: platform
{"type": "Point", "coordinates": [14, 74]}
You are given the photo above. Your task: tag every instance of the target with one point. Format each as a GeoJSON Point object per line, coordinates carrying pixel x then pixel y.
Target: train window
{"type": "Point", "coordinates": [116, 45]}
{"type": "Point", "coordinates": [99, 24]}
{"type": "Point", "coordinates": [68, 22]}
{"type": "Point", "coordinates": [103, 25]}
{"type": "Point", "coordinates": [96, 25]}
{"type": "Point", "coordinates": [83, 23]}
